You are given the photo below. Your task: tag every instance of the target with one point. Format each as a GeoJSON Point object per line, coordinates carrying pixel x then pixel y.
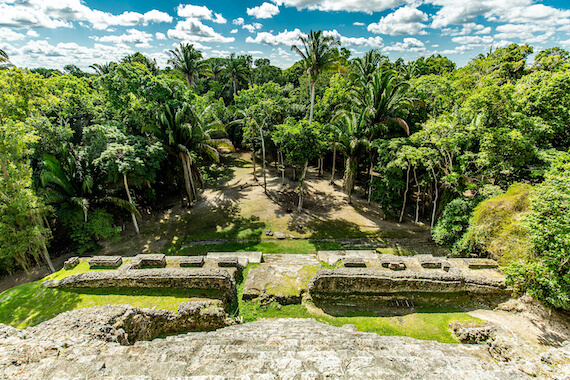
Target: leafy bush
{"type": "Point", "coordinates": [453, 223]}
{"type": "Point", "coordinates": [85, 233]}
{"type": "Point", "coordinates": [547, 277]}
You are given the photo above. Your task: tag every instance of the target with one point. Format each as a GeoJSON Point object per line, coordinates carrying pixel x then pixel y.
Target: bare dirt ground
{"type": "Point", "coordinates": [233, 194]}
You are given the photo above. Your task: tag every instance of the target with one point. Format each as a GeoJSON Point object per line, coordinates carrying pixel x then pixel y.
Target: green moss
{"type": "Point", "coordinates": [496, 226]}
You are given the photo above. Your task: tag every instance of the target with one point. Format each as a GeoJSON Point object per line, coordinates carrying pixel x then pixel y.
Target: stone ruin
{"type": "Point", "coordinates": [116, 341]}
{"type": "Point", "coordinates": [356, 276]}
{"type": "Point", "coordinates": [101, 343]}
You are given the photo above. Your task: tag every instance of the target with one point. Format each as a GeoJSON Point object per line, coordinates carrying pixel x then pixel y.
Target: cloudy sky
{"type": "Point", "coordinates": [53, 33]}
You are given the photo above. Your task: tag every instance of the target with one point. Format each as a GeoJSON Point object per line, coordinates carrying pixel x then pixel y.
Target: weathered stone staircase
{"type": "Point", "coordinates": [268, 349]}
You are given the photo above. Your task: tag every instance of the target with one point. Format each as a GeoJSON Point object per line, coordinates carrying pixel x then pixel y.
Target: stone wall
{"type": "Point", "coordinates": [126, 324]}
{"type": "Point", "coordinates": [188, 278]}
{"type": "Point", "coordinates": [346, 283]}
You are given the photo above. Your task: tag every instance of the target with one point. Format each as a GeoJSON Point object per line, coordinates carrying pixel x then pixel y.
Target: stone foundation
{"type": "Point", "coordinates": [188, 278]}
{"type": "Point", "coordinates": [352, 284]}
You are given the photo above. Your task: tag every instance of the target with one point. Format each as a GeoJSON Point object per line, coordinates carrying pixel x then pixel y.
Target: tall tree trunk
{"type": "Point", "coordinates": [418, 197]}
{"type": "Point", "coordinates": [435, 199]}
{"type": "Point", "coordinates": [301, 186]}
{"type": "Point", "coordinates": [45, 254]}
{"type": "Point", "coordinates": [282, 167]}
{"type": "Point", "coordinates": [405, 194]}
{"type": "Point", "coordinates": [312, 100]}
{"type": "Point", "coordinates": [370, 183]}
{"type": "Point", "coordinates": [189, 80]}
{"type": "Point", "coordinates": [349, 174]}
{"type": "Point", "coordinates": [254, 164]}
{"type": "Point", "coordinates": [187, 177]}
{"type": "Point", "coordinates": [263, 151]}
{"type": "Point", "coordinates": [4, 165]}
{"type": "Point", "coordinates": [334, 164]}
{"type": "Point", "coordinates": [191, 176]}
{"type": "Point", "coordinates": [125, 182]}
{"type": "Point", "coordinates": [43, 247]}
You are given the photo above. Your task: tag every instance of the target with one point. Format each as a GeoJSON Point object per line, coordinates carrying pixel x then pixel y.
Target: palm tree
{"type": "Point", "coordinates": [376, 107]}
{"type": "Point", "coordinates": [367, 65]}
{"type": "Point", "coordinates": [187, 135]}
{"type": "Point", "coordinates": [383, 97]}
{"type": "Point", "coordinates": [216, 66]}
{"type": "Point", "coordinates": [237, 70]}
{"type": "Point", "coordinates": [317, 58]}
{"type": "Point", "coordinates": [67, 182]}
{"type": "Point", "coordinates": [353, 131]}
{"type": "Point", "coordinates": [3, 56]}
{"type": "Point", "coordinates": [187, 60]}
{"type": "Point", "coordinates": [102, 69]}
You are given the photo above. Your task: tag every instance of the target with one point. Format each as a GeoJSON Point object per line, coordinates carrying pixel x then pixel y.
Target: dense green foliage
{"type": "Point", "coordinates": [83, 154]}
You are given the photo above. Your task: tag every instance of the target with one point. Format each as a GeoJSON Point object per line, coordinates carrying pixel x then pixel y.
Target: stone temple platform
{"type": "Point", "coordinates": [268, 349]}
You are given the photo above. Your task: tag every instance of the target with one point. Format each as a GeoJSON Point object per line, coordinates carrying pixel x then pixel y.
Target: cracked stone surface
{"type": "Point", "coordinates": [267, 349]}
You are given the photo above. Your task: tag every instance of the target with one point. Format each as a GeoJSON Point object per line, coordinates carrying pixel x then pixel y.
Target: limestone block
{"type": "Point", "coordinates": [392, 262]}
{"type": "Point", "coordinates": [192, 261]}
{"type": "Point", "coordinates": [481, 263]}
{"type": "Point", "coordinates": [149, 260]}
{"type": "Point", "coordinates": [105, 261]}
{"type": "Point", "coordinates": [71, 263]}
{"type": "Point", "coordinates": [244, 258]}
{"type": "Point", "coordinates": [428, 261]}
{"type": "Point", "coordinates": [353, 262]}
{"type": "Point", "coordinates": [332, 257]}
{"type": "Point", "coordinates": [231, 262]}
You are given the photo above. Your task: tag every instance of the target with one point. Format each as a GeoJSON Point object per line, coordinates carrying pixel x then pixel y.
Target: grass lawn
{"type": "Point", "coordinates": [29, 304]}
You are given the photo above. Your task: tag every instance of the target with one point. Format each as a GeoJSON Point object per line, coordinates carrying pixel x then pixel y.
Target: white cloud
{"type": "Point", "coordinates": [404, 21]}
{"type": "Point", "coordinates": [160, 36]}
{"type": "Point", "coordinates": [467, 28]}
{"type": "Point", "coordinates": [32, 33]}
{"type": "Point", "coordinates": [238, 21]}
{"type": "Point", "coordinates": [133, 36]}
{"type": "Point", "coordinates": [356, 23]}
{"type": "Point", "coordinates": [42, 54]}
{"type": "Point", "coordinates": [458, 12]}
{"type": "Point", "coordinates": [355, 41]}
{"type": "Point", "coordinates": [282, 52]}
{"type": "Point", "coordinates": [283, 38]}
{"type": "Point", "coordinates": [156, 16]}
{"type": "Point", "coordinates": [199, 13]}
{"type": "Point", "coordinates": [194, 11]}
{"type": "Point", "coordinates": [525, 32]}
{"type": "Point", "coordinates": [193, 30]}
{"type": "Point", "coordinates": [252, 27]}
{"type": "Point", "coordinates": [58, 14]}
{"type": "Point", "coordinates": [473, 40]}
{"type": "Point", "coordinates": [234, 31]}
{"type": "Point", "coordinates": [366, 6]}
{"type": "Point", "coordinates": [219, 19]}
{"type": "Point", "coordinates": [255, 52]}
{"type": "Point", "coordinates": [265, 10]}
{"type": "Point", "coordinates": [409, 44]}
{"type": "Point", "coordinates": [7, 34]}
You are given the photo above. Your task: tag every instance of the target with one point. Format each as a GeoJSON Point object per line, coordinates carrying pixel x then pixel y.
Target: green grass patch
{"type": "Point", "coordinates": [300, 246]}
{"type": "Point", "coordinates": [253, 311]}
{"type": "Point", "coordinates": [420, 325]}
{"type": "Point", "coordinates": [29, 304]}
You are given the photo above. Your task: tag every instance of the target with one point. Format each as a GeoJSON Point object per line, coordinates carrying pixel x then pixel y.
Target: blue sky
{"type": "Point", "coordinates": [53, 33]}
